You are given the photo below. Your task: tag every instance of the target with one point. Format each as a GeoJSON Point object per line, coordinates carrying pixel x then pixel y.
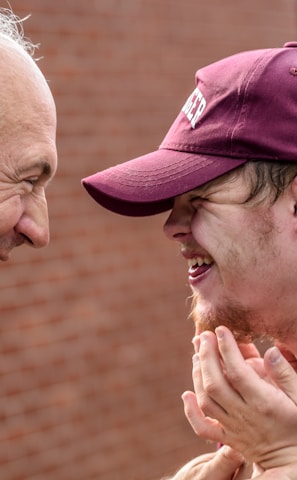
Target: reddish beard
{"type": "Point", "coordinates": [244, 325]}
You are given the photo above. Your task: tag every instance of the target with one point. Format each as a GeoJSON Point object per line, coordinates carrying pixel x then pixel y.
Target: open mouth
{"type": "Point", "coordinates": [199, 265]}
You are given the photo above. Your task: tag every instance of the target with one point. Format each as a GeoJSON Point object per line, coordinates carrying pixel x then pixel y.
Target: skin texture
{"type": "Point", "coordinates": [28, 158]}
{"type": "Point", "coordinates": [249, 288]}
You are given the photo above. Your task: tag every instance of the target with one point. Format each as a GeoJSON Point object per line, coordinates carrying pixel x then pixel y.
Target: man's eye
{"type": "Point", "coordinates": [198, 199]}
{"type": "Point", "coordinates": [32, 180]}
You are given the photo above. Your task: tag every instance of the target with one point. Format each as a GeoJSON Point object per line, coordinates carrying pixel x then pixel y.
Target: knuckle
{"type": "Point", "coordinates": [285, 375]}
{"type": "Point", "coordinates": [205, 403]}
{"type": "Point", "coordinates": [264, 409]}
{"type": "Point", "coordinates": [211, 387]}
{"type": "Point", "coordinates": [234, 376]}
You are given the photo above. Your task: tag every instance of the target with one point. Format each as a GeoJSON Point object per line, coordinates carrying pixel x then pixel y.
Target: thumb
{"type": "Point", "coordinates": [225, 463]}
{"type": "Point", "coordinates": [219, 465]}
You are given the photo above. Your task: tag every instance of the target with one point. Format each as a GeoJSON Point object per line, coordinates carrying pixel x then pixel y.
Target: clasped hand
{"type": "Point", "coordinates": [244, 401]}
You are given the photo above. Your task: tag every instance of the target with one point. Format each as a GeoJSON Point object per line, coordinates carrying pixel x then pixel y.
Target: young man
{"type": "Point", "coordinates": [28, 158]}
{"type": "Point", "coordinates": [227, 171]}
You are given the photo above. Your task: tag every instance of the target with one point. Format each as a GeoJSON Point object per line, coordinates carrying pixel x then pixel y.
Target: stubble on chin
{"type": "Point", "coordinates": [241, 322]}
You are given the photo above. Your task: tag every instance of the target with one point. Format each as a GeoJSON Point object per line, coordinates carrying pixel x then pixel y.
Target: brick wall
{"type": "Point", "coordinates": [95, 345]}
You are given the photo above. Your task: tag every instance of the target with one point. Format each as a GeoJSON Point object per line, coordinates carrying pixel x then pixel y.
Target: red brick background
{"type": "Point", "coordinates": [95, 343]}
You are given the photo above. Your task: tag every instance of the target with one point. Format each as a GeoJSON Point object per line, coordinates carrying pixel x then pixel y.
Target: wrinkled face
{"type": "Point", "coordinates": [28, 158]}
{"type": "Point", "coordinates": [242, 260]}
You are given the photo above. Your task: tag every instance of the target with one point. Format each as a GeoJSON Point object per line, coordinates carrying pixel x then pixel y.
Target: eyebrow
{"type": "Point", "coordinates": [202, 189]}
{"type": "Point", "coordinates": [42, 165]}
{"type": "Point", "coordinates": [216, 182]}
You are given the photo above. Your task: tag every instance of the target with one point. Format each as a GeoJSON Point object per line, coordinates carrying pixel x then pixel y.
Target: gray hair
{"type": "Point", "coordinates": [11, 29]}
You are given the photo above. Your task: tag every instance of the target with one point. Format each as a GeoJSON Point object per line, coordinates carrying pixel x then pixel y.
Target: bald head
{"type": "Point", "coordinates": [21, 82]}
{"type": "Point", "coordinates": [28, 157]}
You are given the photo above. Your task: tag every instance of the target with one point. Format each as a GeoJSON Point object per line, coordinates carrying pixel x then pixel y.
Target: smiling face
{"type": "Point", "coordinates": [242, 256]}
{"type": "Point", "coordinates": [28, 157]}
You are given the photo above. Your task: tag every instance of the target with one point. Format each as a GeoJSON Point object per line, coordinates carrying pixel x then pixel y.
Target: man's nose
{"type": "Point", "coordinates": [33, 225]}
{"type": "Point", "coordinates": [178, 224]}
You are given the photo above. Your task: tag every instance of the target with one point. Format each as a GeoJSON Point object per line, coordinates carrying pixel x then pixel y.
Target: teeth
{"type": "Point", "coordinates": [199, 261]}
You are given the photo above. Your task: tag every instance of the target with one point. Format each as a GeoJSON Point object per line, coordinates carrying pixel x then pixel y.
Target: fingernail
{"type": "Point", "coordinates": [219, 333]}
{"type": "Point", "coordinates": [275, 356]}
{"type": "Point", "coordinates": [203, 337]}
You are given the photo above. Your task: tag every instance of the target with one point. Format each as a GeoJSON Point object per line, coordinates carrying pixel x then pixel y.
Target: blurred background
{"type": "Point", "coordinates": [95, 343]}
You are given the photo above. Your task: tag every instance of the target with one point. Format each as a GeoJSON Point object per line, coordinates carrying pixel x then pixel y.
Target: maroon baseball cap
{"type": "Point", "coordinates": [243, 108]}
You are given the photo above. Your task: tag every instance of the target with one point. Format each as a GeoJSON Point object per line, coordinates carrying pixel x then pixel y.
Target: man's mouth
{"type": "Point", "coordinates": [199, 265]}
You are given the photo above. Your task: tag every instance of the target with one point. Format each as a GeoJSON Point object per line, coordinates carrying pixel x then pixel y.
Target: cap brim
{"type": "Point", "coordinates": [148, 184]}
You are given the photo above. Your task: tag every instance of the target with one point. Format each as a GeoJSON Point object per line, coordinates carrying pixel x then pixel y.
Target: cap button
{"type": "Point", "coordinates": [290, 44]}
